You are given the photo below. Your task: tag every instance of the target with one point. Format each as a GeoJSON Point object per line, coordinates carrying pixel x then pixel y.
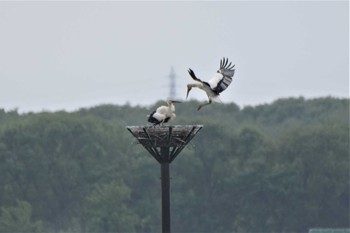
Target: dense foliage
{"type": "Point", "coordinates": [279, 167]}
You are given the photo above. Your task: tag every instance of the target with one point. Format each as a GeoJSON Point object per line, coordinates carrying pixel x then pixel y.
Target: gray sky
{"type": "Point", "coordinates": [67, 55]}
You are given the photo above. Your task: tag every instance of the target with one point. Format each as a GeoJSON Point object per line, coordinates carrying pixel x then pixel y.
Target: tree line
{"type": "Point", "coordinates": [279, 167]}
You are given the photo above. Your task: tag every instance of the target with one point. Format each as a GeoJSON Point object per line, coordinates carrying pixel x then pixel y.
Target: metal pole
{"type": "Point", "coordinates": [164, 166]}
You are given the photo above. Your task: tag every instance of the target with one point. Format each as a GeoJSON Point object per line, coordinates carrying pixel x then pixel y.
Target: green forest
{"type": "Point", "coordinates": [277, 167]}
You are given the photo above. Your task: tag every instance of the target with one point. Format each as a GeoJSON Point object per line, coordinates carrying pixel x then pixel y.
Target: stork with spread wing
{"type": "Point", "coordinates": [216, 85]}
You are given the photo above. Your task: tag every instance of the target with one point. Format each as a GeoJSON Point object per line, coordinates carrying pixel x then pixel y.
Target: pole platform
{"type": "Point", "coordinates": [164, 143]}
{"type": "Point", "coordinates": [174, 137]}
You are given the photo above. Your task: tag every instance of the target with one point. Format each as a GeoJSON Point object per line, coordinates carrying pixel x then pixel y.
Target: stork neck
{"type": "Point", "coordinates": [198, 85]}
{"type": "Point", "coordinates": [171, 107]}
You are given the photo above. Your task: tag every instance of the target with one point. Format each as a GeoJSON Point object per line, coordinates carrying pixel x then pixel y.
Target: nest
{"type": "Point", "coordinates": [164, 142]}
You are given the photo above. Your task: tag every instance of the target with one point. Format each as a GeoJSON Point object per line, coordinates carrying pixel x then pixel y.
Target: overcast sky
{"type": "Point", "coordinates": [67, 55]}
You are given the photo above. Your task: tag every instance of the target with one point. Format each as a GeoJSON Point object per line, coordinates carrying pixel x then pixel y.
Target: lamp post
{"type": "Point", "coordinates": [164, 143]}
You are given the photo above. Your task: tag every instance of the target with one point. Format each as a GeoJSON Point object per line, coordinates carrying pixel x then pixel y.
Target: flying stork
{"type": "Point", "coordinates": [163, 113]}
{"type": "Point", "coordinates": [216, 85]}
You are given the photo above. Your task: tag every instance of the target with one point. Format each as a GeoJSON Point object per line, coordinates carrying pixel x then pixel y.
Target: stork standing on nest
{"type": "Point", "coordinates": [163, 113]}
{"type": "Point", "coordinates": [216, 85]}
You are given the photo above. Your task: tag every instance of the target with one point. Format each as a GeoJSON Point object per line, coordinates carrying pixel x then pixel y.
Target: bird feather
{"type": "Point", "coordinates": [223, 78]}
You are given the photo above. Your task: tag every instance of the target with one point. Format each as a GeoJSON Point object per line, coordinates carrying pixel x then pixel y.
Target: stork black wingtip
{"type": "Point", "coordinates": [192, 74]}
{"type": "Point", "coordinates": [223, 62]}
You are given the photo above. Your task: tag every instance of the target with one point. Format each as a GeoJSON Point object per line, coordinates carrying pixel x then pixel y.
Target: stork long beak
{"type": "Point", "coordinates": [176, 101]}
{"type": "Point", "coordinates": [188, 91]}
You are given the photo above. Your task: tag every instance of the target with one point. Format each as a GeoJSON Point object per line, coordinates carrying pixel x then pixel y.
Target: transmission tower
{"type": "Point", "coordinates": [172, 77]}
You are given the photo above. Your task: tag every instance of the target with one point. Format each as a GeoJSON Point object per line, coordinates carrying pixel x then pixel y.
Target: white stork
{"type": "Point", "coordinates": [163, 113]}
{"type": "Point", "coordinates": [216, 85]}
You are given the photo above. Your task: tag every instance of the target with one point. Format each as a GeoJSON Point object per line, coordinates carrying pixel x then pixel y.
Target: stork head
{"type": "Point", "coordinates": [171, 105]}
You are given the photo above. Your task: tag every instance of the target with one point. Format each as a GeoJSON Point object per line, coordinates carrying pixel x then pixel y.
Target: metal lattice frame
{"type": "Point", "coordinates": [174, 137]}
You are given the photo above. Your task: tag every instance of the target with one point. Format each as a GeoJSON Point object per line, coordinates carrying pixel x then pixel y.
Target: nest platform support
{"type": "Point", "coordinates": [164, 143]}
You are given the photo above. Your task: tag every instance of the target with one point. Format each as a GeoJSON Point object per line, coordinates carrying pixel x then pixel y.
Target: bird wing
{"type": "Point", "coordinates": [155, 117]}
{"type": "Point", "coordinates": [194, 77]}
{"type": "Point", "coordinates": [159, 116]}
{"type": "Point", "coordinates": [223, 78]}
{"type": "Point", "coordinates": [163, 110]}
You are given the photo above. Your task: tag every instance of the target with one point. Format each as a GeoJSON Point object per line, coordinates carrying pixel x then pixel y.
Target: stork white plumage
{"type": "Point", "coordinates": [163, 113]}
{"type": "Point", "coordinates": [216, 85]}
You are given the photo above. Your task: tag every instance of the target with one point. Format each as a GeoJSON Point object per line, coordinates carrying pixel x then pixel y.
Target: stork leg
{"type": "Point", "coordinates": [202, 105]}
